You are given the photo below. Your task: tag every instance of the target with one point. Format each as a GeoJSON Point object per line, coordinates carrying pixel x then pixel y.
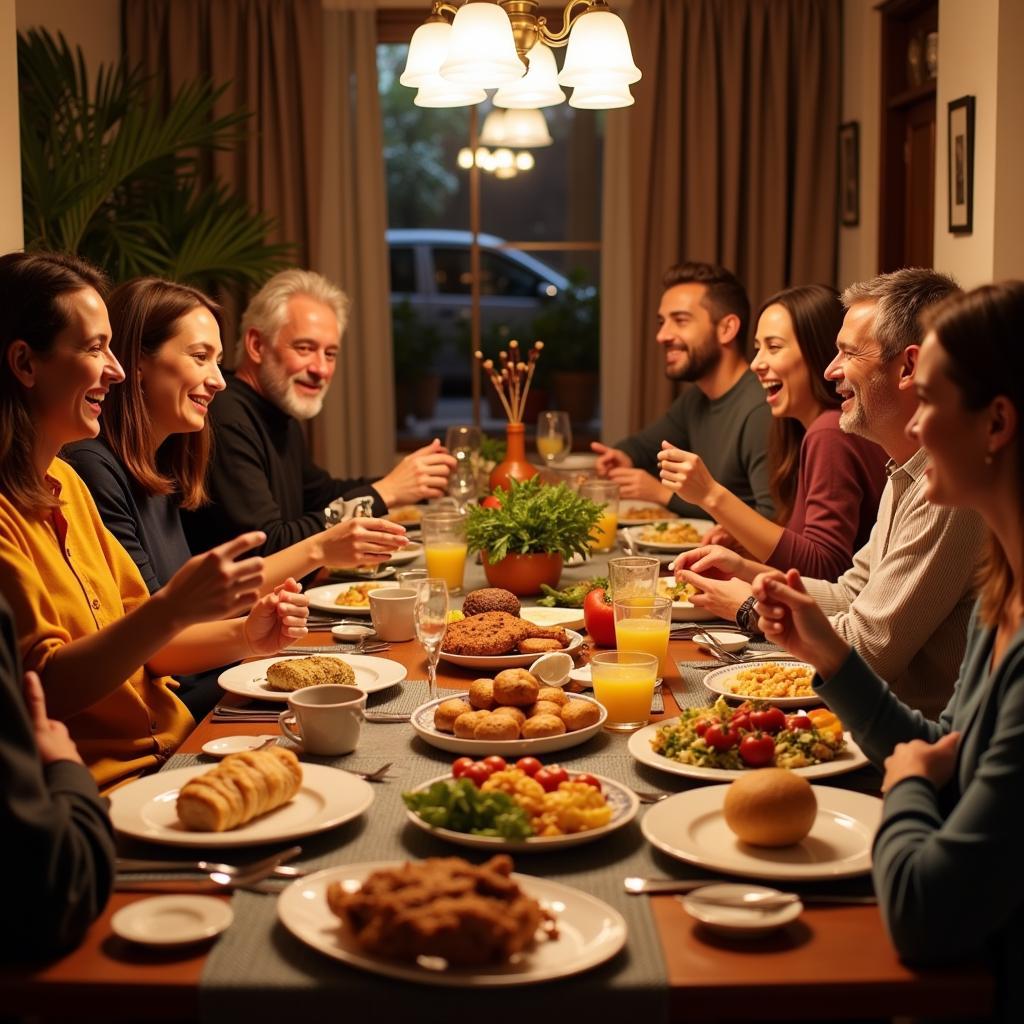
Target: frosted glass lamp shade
{"type": "Point", "coordinates": [493, 131]}
{"type": "Point", "coordinates": [436, 92]}
{"type": "Point", "coordinates": [598, 53]}
{"type": "Point", "coordinates": [427, 51]}
{"type": "Point", "coordinates": [526, 129]}
{"type": "Point", "coordinates": [482, 49]}
{"type": "Point", "coordinates": [538, 87]}
{"type": "Point", "coordinates": [597, 98]}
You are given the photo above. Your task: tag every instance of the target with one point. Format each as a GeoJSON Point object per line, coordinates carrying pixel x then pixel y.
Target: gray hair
{"type": "Point", "coordinates": [900, 297]}
{"type": "Point", "coordinates": [268, 309]}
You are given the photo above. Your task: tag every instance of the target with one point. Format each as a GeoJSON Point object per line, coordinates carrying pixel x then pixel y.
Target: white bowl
{"type": "Point", "coordinates": [553, 668]}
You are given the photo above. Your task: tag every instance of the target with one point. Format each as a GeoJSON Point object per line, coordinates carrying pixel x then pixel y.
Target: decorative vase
{"type": "Point", "coordinates": [515, 464]}
{"type": "Point", "coordinates": [523, 574]}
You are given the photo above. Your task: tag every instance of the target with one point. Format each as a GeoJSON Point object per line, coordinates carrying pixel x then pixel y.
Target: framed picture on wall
{"type": "Point", "coordinates": [849, 174]}
{"type": "Point", "coordinates": [961, 165]}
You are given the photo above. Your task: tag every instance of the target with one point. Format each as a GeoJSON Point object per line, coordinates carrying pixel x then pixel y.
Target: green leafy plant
{"type": "Point", "coordinates": [569, 326]}
{"type": "Point", "coordinates": [533, 518]}
{"type": "Point", "coordinates": [107, 173]}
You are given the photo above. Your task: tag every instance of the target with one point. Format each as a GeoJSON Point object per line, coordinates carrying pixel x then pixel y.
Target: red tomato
{"type": "Point", "coordinates": [741, 721]}
{"type": "Point", "coordinates": [490, 502]}
{"type": "Point", "coordinates": [757, 750]}
{"type": "Point", "coordinates": [477, 773]}
{"type": "Point", "coordinates": [599, 618]}
{"type": "Point", "coordinates": [495, 763]}
{"type": "Point", "coordinates": [770, 720]}
{"type": "Point", "coordinates": [460, 765]}
{"type": "Point", "coordinates": [551, 777]}
{"type": "Point", "coordinates": [529, 765]}
{"type": "Point", "coordinates": [702, 725]}
{"type": "Point", "coordinates": [722, 737]}
{"type": "Point", "coordinates": [799, 721]}
{"type": "Point", "coordinates": [588, 780]}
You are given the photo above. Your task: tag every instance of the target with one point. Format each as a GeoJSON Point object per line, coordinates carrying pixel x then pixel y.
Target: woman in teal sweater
{"type": "Point", "coordinates": [946, 859]}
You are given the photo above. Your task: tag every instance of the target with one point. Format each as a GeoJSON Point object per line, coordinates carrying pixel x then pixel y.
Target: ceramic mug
{"type": "Point", "coordinates": [391, 610]}
{"type": "Point", "coordinates": [324, 720]}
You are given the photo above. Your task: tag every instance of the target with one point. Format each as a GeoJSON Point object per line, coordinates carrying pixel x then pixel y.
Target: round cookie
{"type": "Point", "coordinates": [515, 686]}
{"type": "Point", "coordinates": [543, 725]}
{"type": "Point", "coordinates": [579, 714]}
{"type": "Point", "coordinates": [447, 711]}
{"type": "Point", "coordinates": [496, 727]}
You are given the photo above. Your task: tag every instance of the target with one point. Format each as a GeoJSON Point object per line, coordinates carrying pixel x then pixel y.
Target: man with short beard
{"type": "Point", "coordinates": [702, 325]}
{"type": "Point", "coordinates": [261, 476]}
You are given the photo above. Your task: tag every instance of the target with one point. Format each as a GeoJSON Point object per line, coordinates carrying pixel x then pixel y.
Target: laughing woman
{"type": "Point", "coordinates": [826, 483]}
{"type": "Point", "coordinates": [946, 860]}
{"type": "Point", "coordinates": [103, 648]}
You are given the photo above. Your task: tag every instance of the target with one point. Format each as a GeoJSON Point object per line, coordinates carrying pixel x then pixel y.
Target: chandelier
{"type": "Point", "coordinates": [505, 45]}
{"type": "Point", "coordinates": [505, 131]}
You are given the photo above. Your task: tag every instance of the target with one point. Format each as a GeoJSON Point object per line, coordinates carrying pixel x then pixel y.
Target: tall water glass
{"type": "Point", "coordinates": [444, 546]}
{"type": "Point", "coordinates": [430, 616]}
{"type": "Point", "coordinates": [633, 576]}
{"type": "Point", "coordinates": [603, 492]}
{"type": "Point", "coordinates": [411, 578]}
{"type": "Point", "coordinates": [554, 436]}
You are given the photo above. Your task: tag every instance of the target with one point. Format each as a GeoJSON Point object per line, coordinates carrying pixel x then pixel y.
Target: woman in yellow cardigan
{"type": "Point", "coordinates": [86, 623]}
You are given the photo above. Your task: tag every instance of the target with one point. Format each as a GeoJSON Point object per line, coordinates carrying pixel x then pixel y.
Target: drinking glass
{"type": "Point", "coordinates": [444, 546]}
{"type": "Point", "coordinates": [430, 615]}
{"type": "Point", "coordinates": [462, 484]}
{"type": "Point", "coordinates": [411, 577]}
{"type": "Point", "coordinates": [634, 576]}
{"type": "Point", "coordinates": [461, 441]}
{"type": "Point", "coordinates": [643, 624]}
{"type": "Point", "coordinates": [624, 684]}
{"type": "Point", "coordinates": [603, 492]}
{"type": "Point", "coordinates": [554, 436]}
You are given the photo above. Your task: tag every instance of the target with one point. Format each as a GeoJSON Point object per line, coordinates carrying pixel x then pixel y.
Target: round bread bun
{"type": "Point", "coordinates": [465, 725]}
{"type": "Point", "coordinates": [496, 727]}
{"type": "Point", "coordinates": [515, 686]}
{"type": "Point", "coordinates": [770, 807]}
{"type": "Point", "coordinates": [555, 694]}
{"type": "Point", "coordinates": [446, 712]}
{"type": "Point", "coordinates": [516, 714]}
{"type": "Point", "coordinates": [544, 707]}
{"type": "Point", "coordinates": [543, 725]}
{"type": "Point", "coordinates": [481, 694]}
{"type": "Point", "coordinates": [490, 599]}
{"type": "Point", "coordinates": [579, 714]}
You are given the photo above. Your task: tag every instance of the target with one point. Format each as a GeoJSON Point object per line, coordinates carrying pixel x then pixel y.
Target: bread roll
{"type": "Point", "coordinates": [579, 714]}
{"type": "Point", "coordinates": [543, 725]}
{"type": "Point", "coordinates": [770, 807]}
{"type": "Point", "coordinates": [447, 711]}
{"type": "Point", "coordinates": [515, 686]}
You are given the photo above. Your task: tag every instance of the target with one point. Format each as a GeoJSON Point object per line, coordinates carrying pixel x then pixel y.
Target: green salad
{"type": "Point", "coordinates": [461, 807]}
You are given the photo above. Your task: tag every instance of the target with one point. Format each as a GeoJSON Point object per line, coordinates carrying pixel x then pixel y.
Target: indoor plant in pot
{"type": "Point", "coordinates": [525, 533]}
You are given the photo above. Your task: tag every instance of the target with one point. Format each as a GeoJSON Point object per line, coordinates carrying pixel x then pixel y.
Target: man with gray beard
{"type": "Point", "coordinates": [261, 475]}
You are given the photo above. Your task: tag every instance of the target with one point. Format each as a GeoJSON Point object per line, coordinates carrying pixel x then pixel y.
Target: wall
{"type": "Point", "coordinates": [94, 25]}
{"type": "Point", "coordinates": [10, 166]}
{"type": "Point", "coordinates": [1008, 257]}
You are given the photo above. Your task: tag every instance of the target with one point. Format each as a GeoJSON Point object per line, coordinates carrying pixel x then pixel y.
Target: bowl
{"type": "Point", "coordinates": [351, 633]}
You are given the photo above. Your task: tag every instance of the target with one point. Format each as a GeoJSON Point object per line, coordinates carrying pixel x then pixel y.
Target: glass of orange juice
{"type": "Point", "coordinates": [624, 684]}
{"type": "Point", "coordinates": [643, 624]}
{"type": "Point", "coordinates": [603, 492]}
{"type": "Point", "coordinates": [444, 546]}
{"type": "Point", "coordinates": [554, 436]}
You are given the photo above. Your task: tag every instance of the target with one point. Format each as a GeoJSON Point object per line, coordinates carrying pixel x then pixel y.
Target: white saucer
{"type": "Point", "coordinates": [729, 641]}
{"type": "Point", "coordinates": [738, 921]}
{"type": "Point", "coordinates": [172, 920]}
{"type": "Point", "coordinates": [582, 675]}
{"type": "Point", "coordinates": [224, 745]}
{"type": "Point", "coordinates": [351, 632]}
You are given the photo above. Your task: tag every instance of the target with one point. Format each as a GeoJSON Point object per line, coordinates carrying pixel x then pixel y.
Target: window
{"type": "Point", "coordinates": [403, 269]}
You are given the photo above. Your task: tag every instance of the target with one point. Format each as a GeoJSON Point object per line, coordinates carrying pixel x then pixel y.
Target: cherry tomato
{"type": "Point", "coordinates": [722, 737]}
{"type": "Point", "coordinates": [741, 721]}
{"type": "Point", "coordinates": [477, 773]}
{"type": "Point", "coordinates": [757, 750]}
{"type": "Point", "coordinates": [799, 721]}
{"type": "Point", "coordinates": [588, 780]}
{"type": "Point", "coordinates": [459, 766]}
{"type": "Point", "coordinates": [490, 502]}
{"type": "Point", "coordinates": [702, 725]}
{"type": "Point", "coordinates": [745, 708]}
{"type": "Point", "coordinates": [529, 765]}
{"type": "Point", "coordinates": [551, 777]}
{"type": "Point", "coordinates": [495, 763]}
{"type": "Point", "coordinates": [770, 720]}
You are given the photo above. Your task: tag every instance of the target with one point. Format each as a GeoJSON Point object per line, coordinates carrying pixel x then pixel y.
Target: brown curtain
{"type": "Point", "coordinates": [729, 156]}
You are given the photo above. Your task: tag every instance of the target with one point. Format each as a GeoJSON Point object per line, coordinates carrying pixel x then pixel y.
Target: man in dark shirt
{"type": "Point", "coordinates": [702, 325]}
{"type": "Point", "coordinates": [262, 477]}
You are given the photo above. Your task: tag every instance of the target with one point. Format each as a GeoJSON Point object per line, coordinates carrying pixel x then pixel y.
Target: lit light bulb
{"type": "Point", "coordinates": [465, 158]}
{"type": "Point", "coordinates": [504, 158]}
{"type": "Point", "coordinates": [525, 161]}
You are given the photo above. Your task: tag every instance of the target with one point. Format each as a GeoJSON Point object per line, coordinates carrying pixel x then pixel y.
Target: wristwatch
{"type": "Point", "coordinates": [746, 616]}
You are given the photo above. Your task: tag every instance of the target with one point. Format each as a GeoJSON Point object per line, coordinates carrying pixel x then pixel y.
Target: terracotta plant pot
{"type": "Point", "coordinates": [523, 574]}
{"type": "Point", "coordinates": [515, 463]}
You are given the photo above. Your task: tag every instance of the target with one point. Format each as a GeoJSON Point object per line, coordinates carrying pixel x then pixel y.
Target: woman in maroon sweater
{"type": "Point", "coordinates": [826, 483]}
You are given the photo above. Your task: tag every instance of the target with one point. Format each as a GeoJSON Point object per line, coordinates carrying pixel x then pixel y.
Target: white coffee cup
{"type": "Point", "coordinates": [324, 719]}
{"type": "Point", "coordinates": [391, 609]}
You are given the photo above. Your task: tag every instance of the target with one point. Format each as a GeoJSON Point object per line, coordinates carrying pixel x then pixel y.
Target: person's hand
{"type": "Point", "coordinates": [52, 737]}
{"type": "Point", "coordinates": [789, 616]}
{"type": "Point", "coordinates": [722, 597]}
{"type": "Point", "coordinates": [721, 536]}
{"type": "Point", "coordinates": [918, 758]}
{"type": "Point", "coordinates": [640, 485]}
{"type": "Point", "coordinates": [361, 541]}
{"type": "Point", "coordinates": [685, 473]}
{"type": "Point", "coordinates": [213, 585]}
{"type": "Point", "coordinates": [711, 561]}
{"type": "Point", "coordinates": [277, 618]}
{"type": "Point", "coordinates": [609, 458]}
{"type": "Point", "coordinates": [421, 474]}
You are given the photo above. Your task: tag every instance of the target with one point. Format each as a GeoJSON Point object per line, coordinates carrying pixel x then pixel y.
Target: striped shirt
{"type": "Point", "coordinates": [905, 602]}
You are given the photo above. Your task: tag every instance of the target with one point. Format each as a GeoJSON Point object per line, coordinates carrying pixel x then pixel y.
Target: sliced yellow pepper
{"type": "Point", "coordinates": [826, 721]}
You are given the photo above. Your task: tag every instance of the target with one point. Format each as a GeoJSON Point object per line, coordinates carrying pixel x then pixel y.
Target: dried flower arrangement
{"type": "Point", "coordinates": [512, 377]}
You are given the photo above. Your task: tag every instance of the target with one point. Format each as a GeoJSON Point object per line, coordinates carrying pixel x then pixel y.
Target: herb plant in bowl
{"type": "Point", "coordinates": [535, 526]}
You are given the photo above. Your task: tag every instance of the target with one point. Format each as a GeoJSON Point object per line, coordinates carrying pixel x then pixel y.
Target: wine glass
{"type": "Point", "coordinates": [461, 441]}
{"type": "Point", "coordinates": [430, 614]}
{"type": "Point", "coordinates": [554, 436]}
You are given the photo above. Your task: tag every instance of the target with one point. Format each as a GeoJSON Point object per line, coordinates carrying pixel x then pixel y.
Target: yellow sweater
{"type": "Point", "coordinates": [66, 576]}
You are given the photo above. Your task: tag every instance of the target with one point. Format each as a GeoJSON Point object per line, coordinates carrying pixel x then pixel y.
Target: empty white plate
{"type": "Point", "coordinates": [224, 745]}
{"type": "Point", "coordinates": [172, 920]}
{"type": "Point", "coordinates": [738, 921]}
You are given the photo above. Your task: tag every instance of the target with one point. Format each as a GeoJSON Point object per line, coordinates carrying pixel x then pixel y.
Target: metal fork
{"type": "Point", "coordinates": [374, 776]}
{"type": "Point", "coordinates": [648, 797]}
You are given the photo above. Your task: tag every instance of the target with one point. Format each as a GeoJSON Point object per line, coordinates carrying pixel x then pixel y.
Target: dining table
{"type": "Point", "coordinates": [834, 962]}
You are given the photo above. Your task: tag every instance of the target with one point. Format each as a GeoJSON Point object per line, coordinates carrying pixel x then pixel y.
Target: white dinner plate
{"type": "Point", "coordinates": [225, 745]}
{"type": "Point", "coordinates": [322, 599]}
{"type": "Point", "coordinates": [589, 932]}
{"type": "Point", "coordinates": [741, 922]}
{"type": "Point", "coordinates": [423, 723]}
{"type": "Point", "coordinates": [552, 618]}
{"type": "Point", "coordinates": [700, 525]}
{"type": "Point", "coordinates": [721, 680]}
{"type": "Point", "coordinates": [658, 513]}
{"type": "Point", "coordinates": [497, 663]}
{"type": "Point", "coordinates": [409, 553]}
{"type": "Point", "coordinates": [691, 827]}
{"type": "Point", "coordinates": [848, 760]}
{"type": "Point", "coordinates": [623, 802]}
{"type": "Point", "coordinates": [147, 809]}
{"type": "Point", "coordinates": [728, 641]}
{"type": "Point", "coordinates": [250, 678]}
{"type": "Point", "coordinates": [172, 920]}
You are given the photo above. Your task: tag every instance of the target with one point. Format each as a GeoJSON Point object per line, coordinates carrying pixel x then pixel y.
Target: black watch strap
{"type": "Point", "coordinates": [746, 617]}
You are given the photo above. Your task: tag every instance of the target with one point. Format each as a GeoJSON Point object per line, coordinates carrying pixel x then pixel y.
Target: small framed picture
{"type": "Point", "coordinates": [961, 165]}
{"type": "Point", "coordinates": [849, 174]}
